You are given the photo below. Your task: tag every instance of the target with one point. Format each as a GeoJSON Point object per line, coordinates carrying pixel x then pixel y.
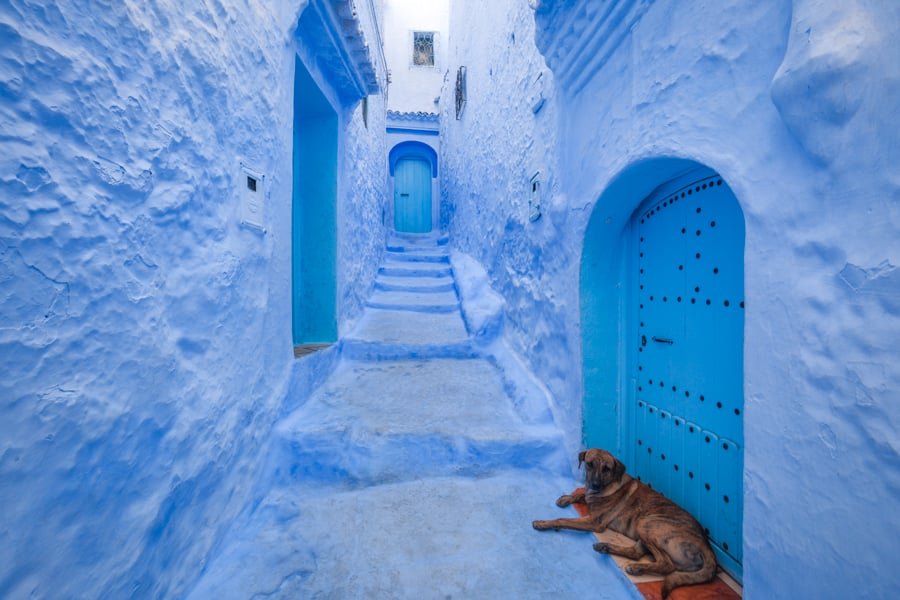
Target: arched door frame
{"type": "Point", "coordinates": [414, 150]}
{"type": "Point", "coordinates": [605, 296]}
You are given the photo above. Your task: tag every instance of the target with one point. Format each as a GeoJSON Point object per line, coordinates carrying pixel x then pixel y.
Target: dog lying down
{"type": "Point", "coordinates": [659, 527]}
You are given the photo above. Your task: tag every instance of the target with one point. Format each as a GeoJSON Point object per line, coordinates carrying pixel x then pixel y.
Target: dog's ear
{"type": "Point", "coordinates": [581, 457]}
{"type": "Point", "coordinates": [618, 469]}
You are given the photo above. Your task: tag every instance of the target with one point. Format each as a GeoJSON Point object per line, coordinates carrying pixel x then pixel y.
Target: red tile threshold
{"type": "Point", "coordinates": [722, 587]}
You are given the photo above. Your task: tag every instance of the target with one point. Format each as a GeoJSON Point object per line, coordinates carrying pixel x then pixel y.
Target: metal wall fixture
{"type": "Point", "coordinates": [534, 198]}
{"type": "Point", "coordinates": [460, 92]}
{"type": "Point", "coordinates": [537, 99]}
{"type": "Point", "coordinates": [253, 197]}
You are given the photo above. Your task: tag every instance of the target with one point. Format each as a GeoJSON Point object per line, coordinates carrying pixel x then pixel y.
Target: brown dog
{"type": "Point", "coordinates": [660, 527]}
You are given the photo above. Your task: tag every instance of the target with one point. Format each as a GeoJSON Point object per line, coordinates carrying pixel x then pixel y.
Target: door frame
{"type": "Point", "coordinates": [414, 149]}
{"type": "Point", "coordinates": [315, 174]}
{"type": "Point", "coordinates": [606, 293]}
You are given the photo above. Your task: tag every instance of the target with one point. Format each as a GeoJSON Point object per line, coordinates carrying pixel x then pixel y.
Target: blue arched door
{"type": "Point", "coordinates": [686, 352]}
{"type": "Point", "coordinates": [412, 195]}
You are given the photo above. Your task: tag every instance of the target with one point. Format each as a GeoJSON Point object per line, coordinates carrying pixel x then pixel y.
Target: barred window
{"type": "Point", "coordinates": [423, 48]}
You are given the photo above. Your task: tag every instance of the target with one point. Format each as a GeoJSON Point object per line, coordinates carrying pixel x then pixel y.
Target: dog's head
{"type": "Point", "coordinates": [600, 468]}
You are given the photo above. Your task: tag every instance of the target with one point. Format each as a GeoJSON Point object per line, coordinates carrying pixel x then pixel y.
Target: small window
{"type": "Point", "coordinates": [423, 48]}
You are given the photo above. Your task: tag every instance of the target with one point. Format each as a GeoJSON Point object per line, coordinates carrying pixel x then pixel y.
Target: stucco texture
{"type": "Point", "coordinates": [793, 104]}
{"type": "Point", "coordinates": [145, 333]}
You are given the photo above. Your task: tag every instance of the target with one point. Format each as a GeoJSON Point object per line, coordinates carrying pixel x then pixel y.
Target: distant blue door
{"type": "Point", "coordinates": [687, 354]}
{"type": "Point", "coordinates": [412, 196]}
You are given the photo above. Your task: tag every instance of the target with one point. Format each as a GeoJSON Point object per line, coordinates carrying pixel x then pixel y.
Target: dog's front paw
{"type": "Point", "coordinates": [564, 501]}
{"type": "Point", "coordinates": [601, 547]}
{"type": "Point", "coordinates": [634, 569]}
{"type": "Point", "coordinates": [541, 525]}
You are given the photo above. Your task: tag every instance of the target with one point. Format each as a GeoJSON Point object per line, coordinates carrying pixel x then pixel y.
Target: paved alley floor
{"type": "Point", "coordinates": [409, 473]}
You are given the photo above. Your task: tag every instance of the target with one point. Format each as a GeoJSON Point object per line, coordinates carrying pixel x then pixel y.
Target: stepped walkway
{"type": "Point", "coordinates": [410, 473]}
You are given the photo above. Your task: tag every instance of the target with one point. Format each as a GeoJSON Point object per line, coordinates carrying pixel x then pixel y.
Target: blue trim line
{"type": "Point", "coordinates": [413, 131]}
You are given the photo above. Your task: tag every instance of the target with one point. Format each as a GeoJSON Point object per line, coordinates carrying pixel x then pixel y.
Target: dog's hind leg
{"type": "Point", "coordinates": [634, 552]}
{"type": "Point", "coordinates": [650, 568]}
{"type": "Point", "coordinates": [706, 572]}
{"type": "Point", "coordinates": [582, 524]}
{"type": "Point", "coordinates": [661, 565]}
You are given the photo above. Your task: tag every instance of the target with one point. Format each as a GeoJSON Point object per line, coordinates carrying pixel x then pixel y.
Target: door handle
{"type": "Point", "coordinates": [660, 340]}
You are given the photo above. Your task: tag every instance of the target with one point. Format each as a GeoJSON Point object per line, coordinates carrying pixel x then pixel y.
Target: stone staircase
{"type": "Point", "coordinates": [409, 473]}
{"type": "Point", "coordinates": [411, 398]}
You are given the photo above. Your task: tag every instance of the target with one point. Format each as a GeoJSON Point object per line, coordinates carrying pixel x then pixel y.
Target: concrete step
{"type": "Point", "coordinates": [397, 269]}
{"type": "Point", "coordinates": [420, 308]}
{"type": "Point", "coordinates": [417, 257]}
{"type": "Point", "coordinates": [356, 349]}
{"type": "Point", "coordinates": [428, 302]}
{"type": "Point", "coordinates": [407, 248]}
{"type": "Point", "coordinates": [432, 285]}
{"type": "Point", "coordinates": [398, 420]}
{"type": "Point", "coordinates": [427, 281]}
{"type": "Point", "coordinates": [401, 327]}
{"type": "Point", "coordinates": [419, 239]}
{"type": "Point", "coordinates": [406, 297]}
{"type": "Point", "coordinates": [439, 537]}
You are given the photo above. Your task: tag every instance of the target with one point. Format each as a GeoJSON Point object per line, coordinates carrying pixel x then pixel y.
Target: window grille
{"type": "Point", "coordinates": [460, 91]}
{"type": "Point", "coordinates": [423, 48]}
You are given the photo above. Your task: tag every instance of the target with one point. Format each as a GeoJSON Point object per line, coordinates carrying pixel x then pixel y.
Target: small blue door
{"type": "Point", "coordinates": [412, 196]}
{"type": "Point", "coordinates": [687, 353]}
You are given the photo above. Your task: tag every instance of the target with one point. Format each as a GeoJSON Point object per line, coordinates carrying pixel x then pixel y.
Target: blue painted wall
{"type": "Point", "coordinates": [145, 334]}
{"type": "Point", "coordinates": [792, 103]}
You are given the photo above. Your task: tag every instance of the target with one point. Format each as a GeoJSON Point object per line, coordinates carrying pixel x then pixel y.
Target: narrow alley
{"type": "Point", "coordinates": [410, 473]}
{"type": "Point", "coordinates": [332, 299]}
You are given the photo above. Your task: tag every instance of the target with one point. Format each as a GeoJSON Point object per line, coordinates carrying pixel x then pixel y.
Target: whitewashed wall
{"type": "Point", "coordinates": [414, 88]}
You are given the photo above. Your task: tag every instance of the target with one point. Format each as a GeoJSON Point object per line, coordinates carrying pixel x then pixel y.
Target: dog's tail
{"type": "Point", "coordinates": [706, 572]}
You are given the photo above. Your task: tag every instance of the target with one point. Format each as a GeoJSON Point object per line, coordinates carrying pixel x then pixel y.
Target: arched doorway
{"type": "Point", "coordinates": [662, 330]}
{"type": "Point", "coordinates": [413, 167]}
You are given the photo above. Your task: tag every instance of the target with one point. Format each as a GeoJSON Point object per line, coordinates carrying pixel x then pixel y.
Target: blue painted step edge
{"type": "Point", "coordinates": [399, 272]}
{"type": "Point", "coordinates": [375, 351]}
{"type": "Point", "coordinates": [423, 258]}
{"type": "Point", "coordinates": [423, 289]}
{"type": "Point", "coordinates": [303, 457]}
{"type": "Point", "coordinates": [423, 308]}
